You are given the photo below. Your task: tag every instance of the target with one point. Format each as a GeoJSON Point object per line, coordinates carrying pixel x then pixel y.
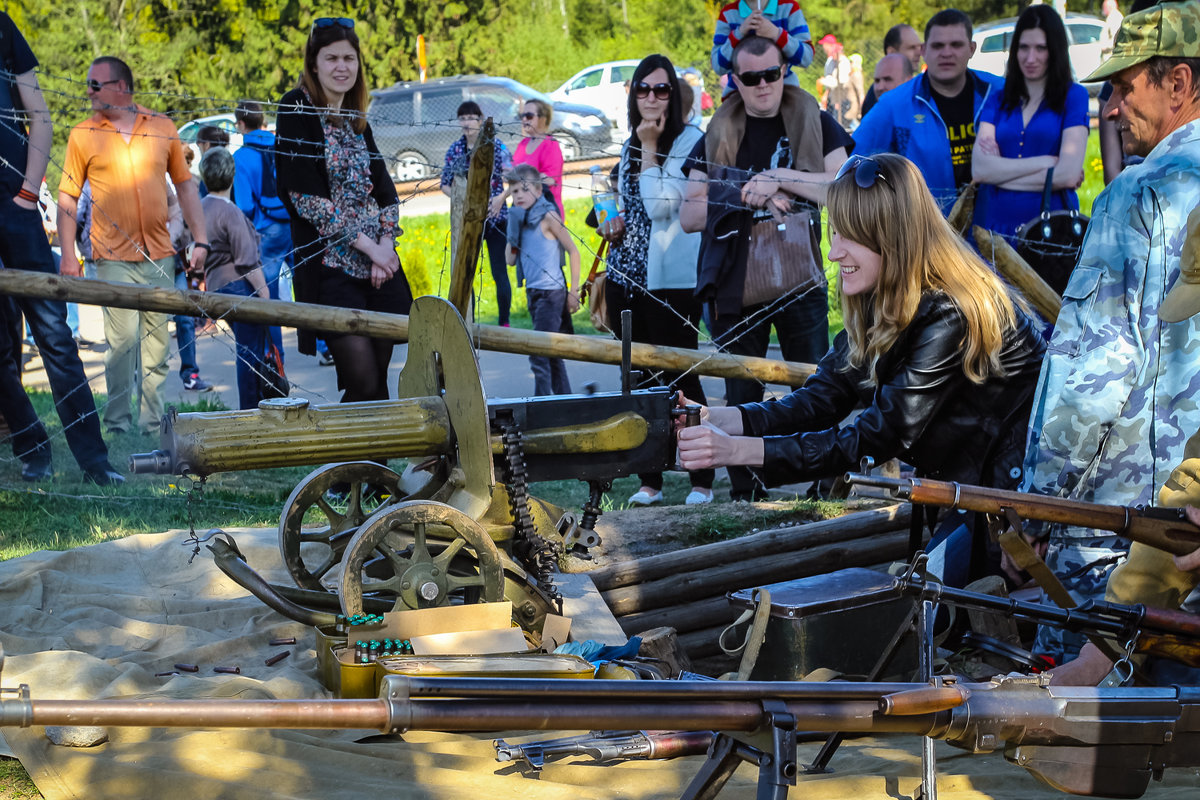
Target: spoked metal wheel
{"type": "Point", "coordinates": [436, 553]}
{"type": "Point", "coordinates": [346, 495]}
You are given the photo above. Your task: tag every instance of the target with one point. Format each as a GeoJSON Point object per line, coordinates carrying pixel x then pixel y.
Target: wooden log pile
{"type": "Point", "coordinates": [685, 590]}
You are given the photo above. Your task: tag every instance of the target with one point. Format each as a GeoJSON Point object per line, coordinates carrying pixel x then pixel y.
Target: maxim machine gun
{"type": "Point", "coordinates": [458, 525]}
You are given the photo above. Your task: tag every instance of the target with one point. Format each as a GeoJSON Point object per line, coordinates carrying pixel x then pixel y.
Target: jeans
{"type": "Point", "coordinates": [275, 253]}
{"type": "Point", "coordinates": [496, 240]}
{"type": "Point", "coordinates": [251, 342]}
{"type": "Point", "coordinates": [185, 335]}
{"type": "Point", "coordinates": [138, 347]}
{"type": "Point", "coordinates": [548, 307]}
{"type": "Point", "coordinates": [802, 326]}
{"type": "Point", "coordinates": [23, 245]}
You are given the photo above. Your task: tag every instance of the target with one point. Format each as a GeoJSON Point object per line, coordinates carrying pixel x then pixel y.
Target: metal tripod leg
{"type": "Point", "coordinates": [926, 611]}
{"type": "Point", "coordinates": [724, 755]}
{"type": "Point", "coordinates": [821, 762]}
{"type": "Point", "coordinates": [776, 769]}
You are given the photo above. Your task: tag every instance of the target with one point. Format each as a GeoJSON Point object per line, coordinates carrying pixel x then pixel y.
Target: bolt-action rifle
{"type": "Point", "coordinates": [1164, 528]}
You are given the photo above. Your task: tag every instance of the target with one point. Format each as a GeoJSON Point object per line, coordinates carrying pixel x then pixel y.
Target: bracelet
{"type": "Point", "coordinates": [25, 194]}
{"type": "Point", "coordinates": [203, 246]}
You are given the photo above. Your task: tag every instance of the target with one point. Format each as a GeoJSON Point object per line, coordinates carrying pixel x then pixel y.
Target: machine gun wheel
{"type": "Point", "coordinates": [369, 487]}
{"type": "Point", "coordinates": [421, 539]}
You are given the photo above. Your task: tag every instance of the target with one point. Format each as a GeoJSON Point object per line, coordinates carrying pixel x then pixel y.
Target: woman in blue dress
{"type": "Point", "coordinates": [1039, 122]}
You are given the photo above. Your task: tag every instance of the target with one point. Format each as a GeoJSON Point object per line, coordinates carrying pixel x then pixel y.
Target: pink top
{"type": "Point", "coordinates": [547, 158]}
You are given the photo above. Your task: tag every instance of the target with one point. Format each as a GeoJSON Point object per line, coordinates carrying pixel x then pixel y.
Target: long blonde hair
{"type": "Point", "coordinates": [897, 218]}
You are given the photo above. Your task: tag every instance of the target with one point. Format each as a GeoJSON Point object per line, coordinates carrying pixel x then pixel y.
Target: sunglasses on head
{"type": "Point", "coordinates": [759, 75]}
{"type": "Point", "coordinates": [662, 91]}
{"type": "Point", "coordinates": [866, 172]}
{"type": "Point", "coordinates": [530, 115]}
{"type": "Point", "coordinates": [329, 22]}
{"type": "Point", "coordinates": [96, 85]}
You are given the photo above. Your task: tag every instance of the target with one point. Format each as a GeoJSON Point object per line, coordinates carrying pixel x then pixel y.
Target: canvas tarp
{"type": "Point", "coordinates": [100, 621]}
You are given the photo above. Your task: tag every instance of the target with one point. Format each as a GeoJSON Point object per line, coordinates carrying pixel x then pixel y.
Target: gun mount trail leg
{"type": "Point", "coordinates": [427, 572]}
{"type": "Point", "coordinates": [370, 486]}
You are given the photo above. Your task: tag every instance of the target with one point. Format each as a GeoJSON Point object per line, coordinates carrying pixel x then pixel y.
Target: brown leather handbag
{"type": "Point", "coordinates": [782, 257]}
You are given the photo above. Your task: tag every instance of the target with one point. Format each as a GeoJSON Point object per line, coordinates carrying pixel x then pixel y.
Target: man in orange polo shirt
{"type": "Point", "coordinates": [124, 150]}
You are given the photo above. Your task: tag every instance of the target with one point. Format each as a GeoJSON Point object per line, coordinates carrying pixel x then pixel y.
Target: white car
{"type": "Point", "coordinates": [994, 39]}
{"type": "Point", "coordinates": [602, 86]}
{"type": "Point", "coordinates": [189, 130]}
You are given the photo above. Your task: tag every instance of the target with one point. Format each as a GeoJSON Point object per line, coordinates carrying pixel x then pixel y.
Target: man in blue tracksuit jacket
{"type": "Point", "coordinates": [931, 119]}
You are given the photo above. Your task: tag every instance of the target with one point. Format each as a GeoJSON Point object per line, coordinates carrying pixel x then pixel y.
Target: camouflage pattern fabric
{"type": "Point", "coordinates": [1119, 392]}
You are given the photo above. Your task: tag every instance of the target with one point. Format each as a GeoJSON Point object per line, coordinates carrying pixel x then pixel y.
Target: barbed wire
{"type": "Point", "coordinates": [70, 90]}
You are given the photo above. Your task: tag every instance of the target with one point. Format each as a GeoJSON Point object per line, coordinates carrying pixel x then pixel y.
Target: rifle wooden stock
{"type": "Point", "coordinates": [1164, 528]}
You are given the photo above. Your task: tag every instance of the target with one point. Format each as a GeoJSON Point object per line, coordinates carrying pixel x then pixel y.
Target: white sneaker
{"type": "Point", "coordinates": [643, 498]}
{"type": "Point", "coordinates": [699, 497]}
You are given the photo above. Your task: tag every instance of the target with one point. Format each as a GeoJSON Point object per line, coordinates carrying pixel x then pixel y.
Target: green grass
{"type": "Point", "coordinates": [425, 253]}
{"type": "Point", "coordinates": [14, 781]}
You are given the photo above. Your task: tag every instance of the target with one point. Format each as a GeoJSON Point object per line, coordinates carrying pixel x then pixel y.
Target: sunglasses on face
{"type": "Point", "coordinates": [866, 172]}
{"type": "Point", "coordinates": [329, 22]}
{"type": "Point", "coordinates": [759, 75]}
{"type": "Point", "coordinates": [662, 91]}
{"type": "Point", "coordinates": [96, 85]}
{"type": "Point", "coordinates": [529, 115]}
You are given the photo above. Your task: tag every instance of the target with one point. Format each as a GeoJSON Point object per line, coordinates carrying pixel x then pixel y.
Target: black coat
{"type": "Point", "coordinates": [300, 168]}
{"type": "Point", "coordinates": [923, 409]}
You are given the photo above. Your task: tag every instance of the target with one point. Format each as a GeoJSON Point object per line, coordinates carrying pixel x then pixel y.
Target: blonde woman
{"type": "Point", "coordinates": [539, 149]}
{"type": "Point", "coordinates": [936, 350]}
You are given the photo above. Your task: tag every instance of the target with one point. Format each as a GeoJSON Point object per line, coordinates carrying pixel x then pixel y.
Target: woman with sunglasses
{"type": "Point", "coordinates": [540, 150]}
{"type": "Point", "coordinates": [1038, 123]}
{"type": "Point", "coordinates": [936, 349]}
{"type": "Point", "coordinates": [342, 203]}
{"type": "Point", "coordinates": [652, 264]}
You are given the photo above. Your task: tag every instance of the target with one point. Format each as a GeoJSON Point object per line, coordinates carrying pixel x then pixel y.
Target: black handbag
{"type": "Point", "coordinates": [1050, 242]}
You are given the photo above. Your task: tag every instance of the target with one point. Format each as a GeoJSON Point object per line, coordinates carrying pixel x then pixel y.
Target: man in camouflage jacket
{"type": "Point", "coordinates": [1119, 393]}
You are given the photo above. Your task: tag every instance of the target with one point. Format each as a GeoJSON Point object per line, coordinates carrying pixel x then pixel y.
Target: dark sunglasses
{"type": "Point", "coordinates": [866, 172]}
{"type": "Point", "coordinates": [329, 22]}
{"type": "Point", "coordinates": [662, 91]}
{"type": "Point", "coordinates": [96, 85]}
{"type": "Point", "coordinates": [758, 76]}
{"type": "Point", "coordinates": [529, 115]}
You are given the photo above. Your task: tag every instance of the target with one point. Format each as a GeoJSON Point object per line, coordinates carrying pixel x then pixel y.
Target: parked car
{"type": "Point", "coordinates": [993, 40]}
{"type": "Point", "coordinates": [189, 130]}
{"type": "Point", "coordinates": [602, 86]}
{"type": "Point", "coordinates": [414, 123]}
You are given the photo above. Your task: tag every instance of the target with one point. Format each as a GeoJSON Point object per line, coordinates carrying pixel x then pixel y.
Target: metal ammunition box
{"type": "Point", "coordinates": [841, 621]}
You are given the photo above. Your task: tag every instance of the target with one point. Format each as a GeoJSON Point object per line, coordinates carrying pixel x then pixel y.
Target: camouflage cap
{"type": "Point", "coordinates": [1169, 29]}
{"type": "Point", "coordinates": [1183, 301]}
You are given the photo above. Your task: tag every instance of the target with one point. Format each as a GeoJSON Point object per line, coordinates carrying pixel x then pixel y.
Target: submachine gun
{"type": "Point", "coordinates": [458, 525]}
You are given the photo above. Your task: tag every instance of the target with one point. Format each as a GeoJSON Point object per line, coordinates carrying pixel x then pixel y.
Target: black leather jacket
{"type": "Point", "coordinates": [923, 409]}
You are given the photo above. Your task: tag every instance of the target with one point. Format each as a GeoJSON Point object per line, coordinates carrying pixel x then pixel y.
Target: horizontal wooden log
{"type": "Point", "coordinates": [683, 618]}
{"type": "Point", "coordinates": [772, 542]}
{"type": "Point", "coordinates": [755, 572]}
{"type": "Point", "coordinates": [703, 643]}
{"type": "Point", "coordinates": [600, 350]}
